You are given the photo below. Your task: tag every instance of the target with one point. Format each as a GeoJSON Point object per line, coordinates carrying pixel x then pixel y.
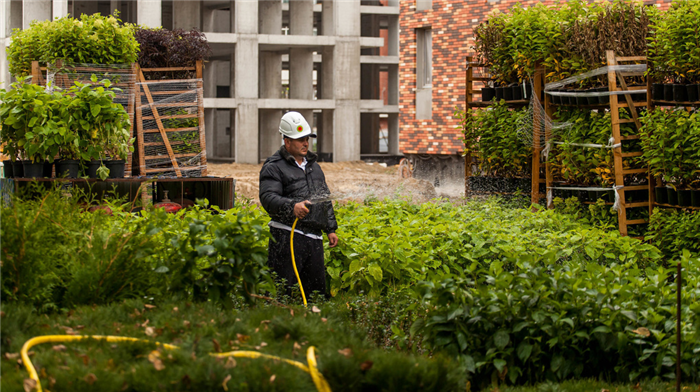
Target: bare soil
{"type": "Point", "coordinates": [356, 180]}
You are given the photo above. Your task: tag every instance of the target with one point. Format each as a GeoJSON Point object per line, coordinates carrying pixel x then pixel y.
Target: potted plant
{"type": "Point", "coordinates": [31, 125]}
{"type": "Point", "coordinates": [101, 128]}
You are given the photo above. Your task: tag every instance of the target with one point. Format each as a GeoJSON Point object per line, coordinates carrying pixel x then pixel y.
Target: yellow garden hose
{"type": "Point", "coordinates": [312, 369]}
{"type": "Point", "coordinates": [294, 264]}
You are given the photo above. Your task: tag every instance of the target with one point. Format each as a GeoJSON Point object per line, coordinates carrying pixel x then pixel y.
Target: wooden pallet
{"type": "Point", "coordinates": [469, 103]}
{"type": "Point", "coordinates": [145, 95]}
{"type": "Point", "coordinates": [616, 82]}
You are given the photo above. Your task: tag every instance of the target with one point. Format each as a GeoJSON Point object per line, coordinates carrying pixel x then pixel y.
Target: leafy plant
{"type": "Point", "coordinates": [674, 46]}
{"type": "Point", "coordinates": [530, 324]}
{"type": "Point", "coordinates": [32, 127]}
{"type": "Point", "coordinates": [171, 48]}
{"type": "Point", "coordinates": [670, 141]}
{"type": "Point", "coordinates": [674, 231]}
{"type": "Point", "coordinates": [92, 39]}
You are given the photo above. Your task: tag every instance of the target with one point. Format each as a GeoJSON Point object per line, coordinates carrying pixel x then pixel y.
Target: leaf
{"type": "Point", "coordinates": [347, 352]}
{"type": "Point", "coordinates": [354, 266]}
{"type": "Point", "coordinates": [501, 339]}
{"type": "Point", "coordinates": [29, 385]}
{"type": "Point", "coordinates": [500, 364]}
{"type": "Point", "coordinates": [524, 350]}
{"type": "Point", "coordinates": [375, 271]}
{"type": "Point", "coordinates": [315, 309]}
{"type": "Point", "coordinates": [230, 363]}
{"type": "Point", "coordinates": [95, 109]}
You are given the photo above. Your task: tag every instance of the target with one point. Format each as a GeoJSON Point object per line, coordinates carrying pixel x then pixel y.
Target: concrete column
{"type": "Point", "coordinates": [116, 5]}
{"type": "Point", "coordinates": [210, 126]}
{"type": "Point", "coordinates": [346, 131]}
{"type": "Point", "coordinates": [301, 73]}
{"type": "Point", "coordinates": [270, 75]}
{"type": "Point", "coordinates": [35, 10]}
{"type": "Point", "coordinates": [232, 86]}
{"type": "Point", "coordinates": [270, 17]}
{"type": "Point", "coordinates": [187, 15]}
{"type": "Point", "coordinates": [393, 128]}
{"type": "Point", "coordinates": [232, 135]}
{"type": "Point", "coordinates": [149, 13]}
{"type": "Point", "coordinates": [246, 83]}
{"type": "Point", "coordinates": [327, 22]}
{"type": "Point", "coordinates": [270, 138]}
{"type": "Point", "coordinates": [59, 8]}
{"type": "Point", "coordinates": [393, 38]}
{"type": "Point", "coordinates": [209, 78]}
{"type": "Point", "coordinates": [393, 85]}
{"type": "Point", "coordinates": [301, 17]}
{"type": "Point", "coordinates": [326, 76]}
{"type": "Point", "coordinates": [325, 138]}
{"type": "Point", "coordinates": [5, 31]}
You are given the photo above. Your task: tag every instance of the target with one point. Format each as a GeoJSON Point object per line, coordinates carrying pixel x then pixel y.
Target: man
{"type": "Point", "coordinates": [290, 182]}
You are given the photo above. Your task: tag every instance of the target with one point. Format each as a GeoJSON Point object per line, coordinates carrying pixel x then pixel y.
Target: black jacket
{"type": "Point", "coordinates": [283, 184]}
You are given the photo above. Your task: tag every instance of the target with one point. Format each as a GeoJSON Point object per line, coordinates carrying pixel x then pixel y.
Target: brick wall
{"type": "Point", "coordinates": [452, 23]}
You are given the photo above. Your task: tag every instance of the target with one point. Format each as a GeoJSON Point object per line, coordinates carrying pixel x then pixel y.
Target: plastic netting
{"type": "Point", "coordinates": [170, 128]}
{"type": "Point", "coordinates": [122, 78]}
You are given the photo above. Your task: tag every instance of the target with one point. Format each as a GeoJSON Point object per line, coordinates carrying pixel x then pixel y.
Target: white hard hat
{"type": "Point", "coordinates": [294, 126]}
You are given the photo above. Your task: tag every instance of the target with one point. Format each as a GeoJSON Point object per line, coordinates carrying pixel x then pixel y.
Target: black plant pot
{"type": "Point", "coordinates": [603, 99]}
{"type": "Point", "coordinates": [695, 197]}
{"type": "Point", "coordinates": [610, 196]}
{"type": "Point", "coordinates": [91, 168]}
{"type": "Point", "coordinates": [668, 92]}
{"type": "Point", "coordinates": [581, 101]}
{"type": "Point", "coordinates": [680, 93]}
{"type": "Point", "coordinates": [684, 198]}
{"type": "Point", "coordinates": [693, 92]}
{"type": "Point", "coordinates": [67, 168]}
{"type": "Point", "coordinates": [48, 169]}
{"type": "Point", "coordinates": [8, 169]}
{"type": "Point", "coordinates": [672, 196]}
{"type": "Point", "coordinates": [594, 99]}
{"type": "Point", "coordinates": [517, 92]}
{"type": "Point", "coordinates": [639, 97]}
{"type": "Point", "coordinates": [33, 170]}
{"type": "Point", "coordinates": [508, 93]}
{"type": "Point", "coordinates": [657, 91]}
{"type": "Point", "coordinates": [528, 91]}
{"type": "Point", "coordinates": [661, 195]}
{"type": "Point", "coordinates": [116, 168]}
{"type": "Point", "coordinates": [488, 93]}
{"type": "Point", "coordinates": [499, 93]}
{"type": "Point", "coordinates": [554, 99]}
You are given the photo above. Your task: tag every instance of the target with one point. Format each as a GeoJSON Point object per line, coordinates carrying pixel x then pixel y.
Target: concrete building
{"type": "Point", "coordinates": [336, 62]}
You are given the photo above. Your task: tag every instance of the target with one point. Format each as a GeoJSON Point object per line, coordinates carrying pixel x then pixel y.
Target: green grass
{"type": "Point", "coordinates": [599, 386]}
{"type": "Point", "coordinates": [202, 328]}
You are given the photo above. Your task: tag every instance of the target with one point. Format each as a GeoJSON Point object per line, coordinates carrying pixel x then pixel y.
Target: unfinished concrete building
{"type": "Point", "coordinates": [336, 62]}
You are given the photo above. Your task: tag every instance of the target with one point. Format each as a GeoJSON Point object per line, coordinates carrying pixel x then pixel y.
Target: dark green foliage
{"type": "Point", "coordinates": [202, 328]}
{"type": "Point", "coordinates": [674, 43]}
{"type": "Point", "coordinates": [670, 140]}
{"type": "Point", "coordinates": [387, 246]}
{"type": "Point", "coordinates": [57, 255]}
{"type": "Point", "coordinates": [673, 231]}
{"type": "Point", "coordinates": [496, 139]}
{"type": "Point", "coordinates": [92, 39]}
{"type": "Point", "coordinates": [557, 322]}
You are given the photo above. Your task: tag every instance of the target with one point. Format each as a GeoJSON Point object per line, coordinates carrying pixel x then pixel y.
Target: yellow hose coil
{"type": "Point", "coordinates": [316, 376]}
{"type": "Point", "coordinates": [294, 263]}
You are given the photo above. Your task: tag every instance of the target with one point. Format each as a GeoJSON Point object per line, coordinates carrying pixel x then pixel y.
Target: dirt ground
{"type": "Point", "coordinates": [356, 180]}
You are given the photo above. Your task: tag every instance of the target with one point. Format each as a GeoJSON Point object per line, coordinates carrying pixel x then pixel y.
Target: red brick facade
{"type": "Point", "coordinates": [452, 24]}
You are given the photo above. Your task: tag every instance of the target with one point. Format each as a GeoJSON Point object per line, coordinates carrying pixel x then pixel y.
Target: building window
{"type": "Point", "coordinates": [424, 5]}
{"type": "Point", "coordinates": [424, 66]}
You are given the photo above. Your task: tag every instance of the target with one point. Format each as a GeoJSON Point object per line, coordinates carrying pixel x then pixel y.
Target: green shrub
{"type": "Point", "coordinates": [613, 322]}
{"type": "Point", "coordinates": [674, 231]}
{"type": "Point", "coordinates": [674, 44]}
{"type": "Point", "coordinates": [670, 141]}
{"type": "Point", "coordinates": [92, 39]}
{"type": "Point", "coordinates": [391, 245]}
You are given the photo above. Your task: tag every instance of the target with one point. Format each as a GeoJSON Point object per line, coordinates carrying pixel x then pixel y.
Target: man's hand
{"type": "Point", "coordinates": [300, 209]}
{"type": "Point", "coordinates": [332, 239]}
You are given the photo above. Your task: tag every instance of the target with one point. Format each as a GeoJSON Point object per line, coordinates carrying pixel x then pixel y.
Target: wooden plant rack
{"type": "Point", "coordinates": [63, 81]}
{"type": "Point", "coordinates": [616, 82]}
{"type": "Point", "coordinates": [469, 103]}
{"type": "Point", "coordinates": [145, 96]}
